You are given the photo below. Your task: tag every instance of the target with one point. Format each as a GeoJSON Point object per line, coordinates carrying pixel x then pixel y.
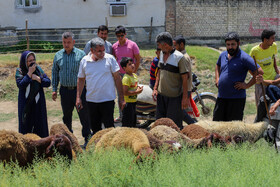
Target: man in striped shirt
{"type": "Point", "coordinates": [171, 87]}
{"type": "Point", "coordinates": [65, 70]}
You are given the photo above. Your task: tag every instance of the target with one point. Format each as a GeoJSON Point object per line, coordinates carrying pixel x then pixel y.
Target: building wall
{"type": "Point", "coordinates": [81, 14]}
{"type": "Point", "coordinates": [214, 18]}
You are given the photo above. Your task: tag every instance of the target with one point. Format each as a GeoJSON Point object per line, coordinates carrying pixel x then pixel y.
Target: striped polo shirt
{"type": "Point", "coordinates": [66, 67]}
{"type": "Point", "coordinates": [170, 82]}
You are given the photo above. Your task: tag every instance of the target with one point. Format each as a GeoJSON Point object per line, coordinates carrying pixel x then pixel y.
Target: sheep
{"type": "Point", "coordinates": [165, 133]}
{"type": "Point", "coordinates": [250, 132]}
{"type": "Point", "coordinates": [62, 129]}
{"type": "Point", "coordinates": [16, 147]}
{"type": "Point", "coordinates": [96, 137]}
{"type": "Point", "coordinates": [167, 122]}
{"type": "Point", "coordinates": [195, 131]}
{"type": "Point", "coordinates": [157, 144]}
{"type": "Point", "coordinates": [131, 138]}
{"type": "Point", "coordinates": [32, 136]}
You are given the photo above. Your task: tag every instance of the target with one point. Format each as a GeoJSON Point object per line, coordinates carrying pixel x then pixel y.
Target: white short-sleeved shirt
{"type": "Point", "coordinates": [100, 83]}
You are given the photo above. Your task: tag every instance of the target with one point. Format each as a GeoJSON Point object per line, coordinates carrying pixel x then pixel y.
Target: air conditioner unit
{"type": "Point", "coordinates": [117, 10]}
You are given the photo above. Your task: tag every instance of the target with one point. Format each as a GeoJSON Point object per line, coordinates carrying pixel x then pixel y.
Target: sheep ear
{"type": "Point", "coordinates": [50, 147]}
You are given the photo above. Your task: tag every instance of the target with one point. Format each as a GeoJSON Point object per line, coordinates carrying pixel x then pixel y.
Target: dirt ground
{"type": "Point", "coordinates": [12, 124]}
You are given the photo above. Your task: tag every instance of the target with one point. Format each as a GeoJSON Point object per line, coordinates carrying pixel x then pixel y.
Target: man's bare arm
{"type": "Point", "coordinates": [155, 91]}
{"type": "Point", "coordinates": [217, 75]}
{"type": "Point", "coordinates": [137, 64]}
{"type": "Point", "coordinates": [80, 87]}
{"type": "Point", "coordinates": [185, 99]}
{"type": "Point", "coordinates": [118, 83]}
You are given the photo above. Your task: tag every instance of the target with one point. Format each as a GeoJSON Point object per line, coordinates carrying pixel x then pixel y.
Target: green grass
{"type": "Point", "coordinates": [12, 60]}
{"type": "Point", "coordinates": [206, 58]}
{"type": "Point", "coordinates": [9, 90]}
{"type": "Point", "coordinates": [148, 52]}
{"type": "Point", "coordinates": [7, 116]}
{"type": "Point", "coordinates": [249, 165]}
{"type": "Point", "coordinates": [250, 108]}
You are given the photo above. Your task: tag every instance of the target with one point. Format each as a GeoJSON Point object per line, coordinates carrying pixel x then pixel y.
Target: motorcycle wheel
{"type": "Point", "coordinates": [206, 111]}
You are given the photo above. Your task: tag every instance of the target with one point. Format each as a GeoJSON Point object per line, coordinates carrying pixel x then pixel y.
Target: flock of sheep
{"type": "Point", "coordinates": [163, 135]}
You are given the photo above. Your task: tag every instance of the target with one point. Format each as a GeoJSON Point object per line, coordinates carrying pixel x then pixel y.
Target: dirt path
{"type": "Point", "coordinates": [9, 107]}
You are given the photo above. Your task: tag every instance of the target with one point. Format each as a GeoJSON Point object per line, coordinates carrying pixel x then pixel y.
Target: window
{"type": "Point", "coordinates": [27, 3]}
{"type": "Point", "coordinates": [117, 1]}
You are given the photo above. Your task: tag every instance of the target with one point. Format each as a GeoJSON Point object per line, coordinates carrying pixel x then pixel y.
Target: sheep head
{"type": "Point", "coordinates": [146, 153]}
{"type": "Point", "coordinates": [173, 146]}
{"type": "Point", "coordinates": [61, 144]}
{"type": "Point", "coordinates": [214, 139]}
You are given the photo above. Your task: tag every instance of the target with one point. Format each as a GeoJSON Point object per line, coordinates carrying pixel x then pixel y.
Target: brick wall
{"type": "Point", "coordinates": [214, 18]}
{"type": "Point", "coordinates": [170, 16]}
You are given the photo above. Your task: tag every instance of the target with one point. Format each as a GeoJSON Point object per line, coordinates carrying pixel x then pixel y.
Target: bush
{"type": "Point", "coordinates": [36, 46]}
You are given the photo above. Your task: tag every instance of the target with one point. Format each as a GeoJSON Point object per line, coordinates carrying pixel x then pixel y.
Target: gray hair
{"type": "Point", "coordinates": [164, 37]}
{"type": "Point", "coordinates": [67, 35]}
{"type": "Point", "coordinates": [97, 41]}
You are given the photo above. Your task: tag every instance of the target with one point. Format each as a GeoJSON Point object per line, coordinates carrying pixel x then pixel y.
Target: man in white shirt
{"type": "Point", "coordinates": [101, 72]}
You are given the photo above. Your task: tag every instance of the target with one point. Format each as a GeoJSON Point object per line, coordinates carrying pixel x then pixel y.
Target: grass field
{"type": "Point", "coordinates": [248, 165]}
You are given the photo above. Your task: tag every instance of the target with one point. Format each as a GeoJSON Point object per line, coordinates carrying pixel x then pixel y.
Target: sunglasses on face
{"type": "Point", "coordinates": [120, 36]}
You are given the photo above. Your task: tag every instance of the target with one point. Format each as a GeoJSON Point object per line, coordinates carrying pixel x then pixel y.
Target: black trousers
{"type": "Point", "coordinates": [229, 109]}
{"type": "Point", "coordinates": [129, 115]}
{"type": "Point", "coordinates": [68, 102]}
{"type": "Point", "coordinates": [101, 113]}
{"type": "Point", "coordinates": [170, 107]}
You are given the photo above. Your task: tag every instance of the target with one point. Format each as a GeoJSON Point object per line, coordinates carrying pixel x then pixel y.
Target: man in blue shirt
{"type": "Point", "coordinates": [102, 32]}
{"type": "Point", "coordinates": [65, 70]}
{"type": "Point", "coordinates": [230, 73]}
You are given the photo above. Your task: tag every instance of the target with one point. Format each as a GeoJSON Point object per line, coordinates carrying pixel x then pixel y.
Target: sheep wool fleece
{"type": "Point", "coordinates": [132, 138]}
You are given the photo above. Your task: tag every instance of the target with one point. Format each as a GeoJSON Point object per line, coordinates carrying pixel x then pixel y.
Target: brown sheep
{"type": "Point", "coordinates": [167, 122]}
{"type": "Point", "coordinates": [195, 131]}
{"type": "Point", "coordinates": [32, 136]}
{"type": "Point", "coordinates": [165, 133]}
{"type": "Point", "coordinates": [96, 137]}
{"type": "Point", "coordinates": [131, 138]}
{"type": "Point", "coordinates": [62, 129]}
{"type": "Point", "coordinates": [16, 147]}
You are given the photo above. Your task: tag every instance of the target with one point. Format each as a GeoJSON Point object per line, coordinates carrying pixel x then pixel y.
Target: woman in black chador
{"type": "Point", "coordinates": [32, 113]}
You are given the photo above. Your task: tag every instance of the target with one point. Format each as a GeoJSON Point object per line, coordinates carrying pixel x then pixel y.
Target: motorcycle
{"type": "Point", "coordinates": [146, 108]}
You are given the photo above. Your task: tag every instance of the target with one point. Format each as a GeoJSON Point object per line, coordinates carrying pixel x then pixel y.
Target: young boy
{"type": "Point", "coordinates": [154, 69]}
{"type": "Point", "coordinates": [130, 91]}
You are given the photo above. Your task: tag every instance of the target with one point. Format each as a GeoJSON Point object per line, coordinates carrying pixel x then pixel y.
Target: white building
{"type": "Point", "coordinates": [52, 14]}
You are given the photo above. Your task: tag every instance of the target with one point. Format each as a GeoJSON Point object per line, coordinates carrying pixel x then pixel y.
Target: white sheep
{"type": "Point", "coordinates": [248, 131]}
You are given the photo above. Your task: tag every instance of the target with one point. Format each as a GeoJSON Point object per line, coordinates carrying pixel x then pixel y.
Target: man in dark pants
{"type": "Point", "coordinates": [65, 70]}
{"type": "Point", "coordinates": [171, 87]}
{"type": "Point", "coordinates": [101, 72]}
{"type": "Point", "coordinates": [179, 43]}
{"type": "Point", "coordinates": [230, 73]}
